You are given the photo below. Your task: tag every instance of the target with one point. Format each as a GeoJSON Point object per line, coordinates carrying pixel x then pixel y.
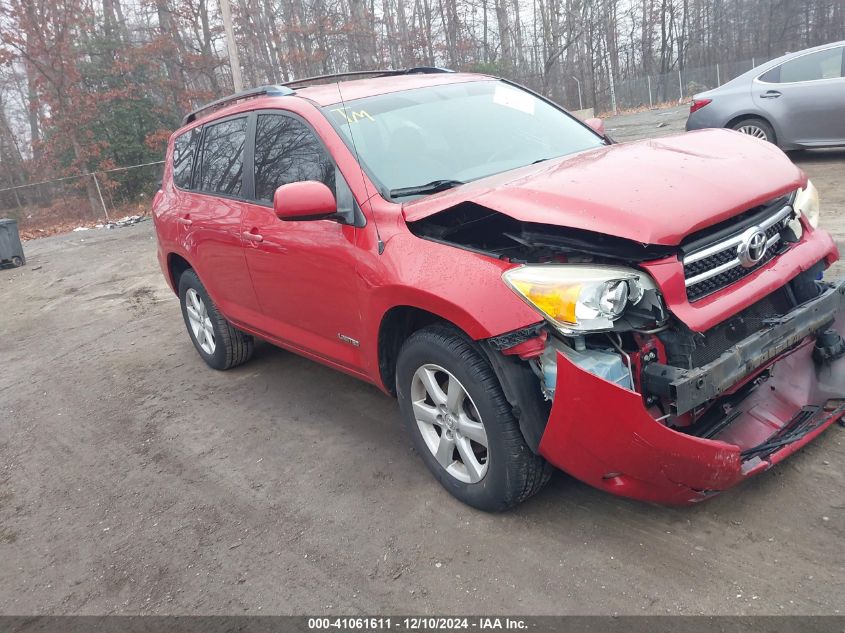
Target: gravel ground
{"type": "Point", "coordinates": [135, 480]}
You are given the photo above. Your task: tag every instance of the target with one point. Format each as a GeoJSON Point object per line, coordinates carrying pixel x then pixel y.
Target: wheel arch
{"type": "Point", "coordinates": [401, 310]}
{"type": "Point", "coordinates": [176, 265]}
{"type": "Point", "coordinates": [517, 380]}
{"type": "Point", "coordinates": [396, 326]}
{"type": "Point", "coordinates": [755, 115]}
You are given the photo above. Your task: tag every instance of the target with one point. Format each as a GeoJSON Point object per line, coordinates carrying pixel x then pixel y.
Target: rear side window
{"type": "Point", "coordinates": [286, 151]}
{"type": "Point", "coordinates": [221, 169]}
{"type": "Point", "coordinates": [820, 65]}
{"type": "Point", "coordinates": [184, 150]}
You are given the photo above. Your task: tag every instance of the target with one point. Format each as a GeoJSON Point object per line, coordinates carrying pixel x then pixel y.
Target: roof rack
{"type": "Point", "coordinates": [284, 90]}
{"type": "Point", "coordinates": [417, 70]}
{"type": "Point", "coordinates": [271, 91]}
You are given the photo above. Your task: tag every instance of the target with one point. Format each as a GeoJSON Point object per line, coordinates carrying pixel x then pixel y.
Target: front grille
{"type": "Point", "coordinates": [709, 267]}
{"type": "Point", "coordinates": [715, 341]}
{"type": "Point", "coordinates": [688, 349]}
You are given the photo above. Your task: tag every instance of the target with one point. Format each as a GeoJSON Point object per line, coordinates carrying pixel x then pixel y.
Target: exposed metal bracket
{"type": "Point", "coordinates": [687, 389]}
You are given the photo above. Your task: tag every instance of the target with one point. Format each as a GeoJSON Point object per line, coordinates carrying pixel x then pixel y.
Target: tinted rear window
{"type": "Point", "coordinates": [223, 157]}
{"type": "Point", "coordinates": [184, 150]}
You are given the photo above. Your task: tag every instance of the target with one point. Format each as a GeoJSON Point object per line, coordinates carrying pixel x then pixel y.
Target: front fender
{"type": "Point", "coordinates": [456, 285]}
{"type": "Point", "coordinates": [461, 286]}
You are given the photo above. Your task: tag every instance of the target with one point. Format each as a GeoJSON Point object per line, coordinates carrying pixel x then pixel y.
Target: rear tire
{"type": "Point", "coordinates": [758, 128]}
{"type": "Point", "coordinates": [17, 262]}
{"type": "Point", "coordinates": [220, 345]}
{"type": "Point", "coordinates": [449, 430]}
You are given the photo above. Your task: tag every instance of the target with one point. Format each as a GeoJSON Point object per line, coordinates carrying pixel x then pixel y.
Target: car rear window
{"type": "Point", "coordinates": [184, 150]}
{"type": "Point", "coordinates": [221, 168]}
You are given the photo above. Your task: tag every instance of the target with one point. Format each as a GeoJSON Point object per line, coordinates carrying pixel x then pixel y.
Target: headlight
{"type": "Point", "coordinates": [807, 203]}
{"type": "Point", "coordinates": [577, 297]}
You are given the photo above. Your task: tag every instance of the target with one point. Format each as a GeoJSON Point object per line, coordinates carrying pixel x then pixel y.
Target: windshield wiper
{"type": "Point", "coordinates": [420, 190]}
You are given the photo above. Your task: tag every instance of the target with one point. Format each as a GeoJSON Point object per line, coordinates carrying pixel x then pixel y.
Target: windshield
{"type": "Point", "coordinates": [446, 135]}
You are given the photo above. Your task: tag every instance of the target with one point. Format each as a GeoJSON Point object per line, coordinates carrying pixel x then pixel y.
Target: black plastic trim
{"type": "Point", "coordinates": [521, 387]}
{"type": "Point", "coordinates": [687, 389]}
{"type": "Point", "coordinates": [273, 91]}
{"type": "Point", "coordinates": [807, 420]}
{"type": "Point", "coordinates": [416, 70]}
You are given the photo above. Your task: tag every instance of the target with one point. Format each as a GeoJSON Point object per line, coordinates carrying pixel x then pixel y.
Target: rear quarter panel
{"type": "Point", "coordinates": [164, 207]}
{"type": "Point", "coordinates": [728, 103]}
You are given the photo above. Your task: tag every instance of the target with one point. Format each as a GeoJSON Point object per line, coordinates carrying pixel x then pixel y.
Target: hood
{"type": "Point", "coordinates": [653, 191]}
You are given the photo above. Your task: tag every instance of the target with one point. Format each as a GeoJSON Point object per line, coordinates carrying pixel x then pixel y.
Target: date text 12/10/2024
{"type": "Point", "coordinates": [422, 623]}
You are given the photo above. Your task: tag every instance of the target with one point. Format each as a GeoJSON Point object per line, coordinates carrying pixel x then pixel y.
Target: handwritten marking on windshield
{"type": "Point", "coordinates": [353, 116]}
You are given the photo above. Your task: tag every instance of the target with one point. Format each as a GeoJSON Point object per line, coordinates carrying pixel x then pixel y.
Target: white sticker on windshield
{"type": "Point", "coordinates": [512, 98]}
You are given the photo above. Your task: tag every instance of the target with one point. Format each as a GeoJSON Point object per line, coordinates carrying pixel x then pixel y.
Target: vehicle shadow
{"type": "Point", "coordinates": [810, 156]}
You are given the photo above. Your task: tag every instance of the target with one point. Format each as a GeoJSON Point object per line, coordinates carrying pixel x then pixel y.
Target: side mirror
{"type": "Point", "coordinates": [597, 125]}
{"type": "Point", "coordinates": [306, 200]}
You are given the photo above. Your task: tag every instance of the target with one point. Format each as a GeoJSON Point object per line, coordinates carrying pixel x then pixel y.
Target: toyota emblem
{"type": "Point", "coordinates": [752, 248]}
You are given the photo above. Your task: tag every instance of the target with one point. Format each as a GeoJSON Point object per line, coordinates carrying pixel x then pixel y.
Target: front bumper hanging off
{"type": "Point", "coordinates": [688, 389]}
{"type": "Point", "coordinates": [604, 435]}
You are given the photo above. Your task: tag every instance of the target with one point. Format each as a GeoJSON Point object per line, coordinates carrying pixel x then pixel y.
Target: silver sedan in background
{"type": "Point", "coordinates": [796, 101]}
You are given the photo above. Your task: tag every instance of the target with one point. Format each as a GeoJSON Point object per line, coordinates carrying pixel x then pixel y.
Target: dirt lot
{"type": "Point", "coordinates": [135, 480]}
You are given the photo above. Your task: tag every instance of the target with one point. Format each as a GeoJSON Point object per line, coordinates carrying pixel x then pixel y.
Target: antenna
{"type": "Point", "coordinates": [358, 160]}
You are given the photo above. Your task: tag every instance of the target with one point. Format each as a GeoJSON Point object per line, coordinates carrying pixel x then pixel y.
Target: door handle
{"type": "Point", "coordinates": [770, 94]}
{"type": "Point", "coordinates": [253, 237]}
{"type": "Point", "coordinates": [186, 221]}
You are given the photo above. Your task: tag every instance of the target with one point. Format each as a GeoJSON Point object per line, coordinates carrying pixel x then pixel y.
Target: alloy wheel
{"type": "Point", "coordinates": [753, 130]}
{"type": "Point", "coordinates": [200, 322]}
{"type": "Point", "coordinates": [449, 423]}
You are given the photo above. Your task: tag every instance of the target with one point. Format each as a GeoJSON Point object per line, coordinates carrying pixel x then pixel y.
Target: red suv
{"type": "Point", "coordinates": [649, 317]}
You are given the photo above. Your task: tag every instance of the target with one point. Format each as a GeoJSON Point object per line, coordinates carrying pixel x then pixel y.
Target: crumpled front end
{"type": "Point", "coordinates": [667, 371]}
{"type": "Point", "coordinates": [610, 436]}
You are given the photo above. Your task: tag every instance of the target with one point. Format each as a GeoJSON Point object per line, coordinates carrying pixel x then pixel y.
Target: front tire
{"type": "Point", "coordinates": [461, 424]}
{"type": "Point", "coordinates": [758, 128]}
{"type": "Point", "coordinates": [220, 345]}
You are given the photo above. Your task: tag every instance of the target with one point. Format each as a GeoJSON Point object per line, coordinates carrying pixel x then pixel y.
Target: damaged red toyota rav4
{"type": "Point", "coordinates": [649, 317]}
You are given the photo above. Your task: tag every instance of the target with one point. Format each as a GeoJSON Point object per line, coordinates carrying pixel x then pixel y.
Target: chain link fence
{"type": "Point", "coordinates": [59, 204]}
{"type": "Point", "coordinates": [676, 86]}
{"type": "Point", "coordinates": [101, 197]}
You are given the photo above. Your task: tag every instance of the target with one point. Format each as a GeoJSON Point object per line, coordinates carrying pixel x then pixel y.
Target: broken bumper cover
{"type": "Point", "coordinates": [688, 389]}
{"type": "Point", "coordinates": [604, 435]}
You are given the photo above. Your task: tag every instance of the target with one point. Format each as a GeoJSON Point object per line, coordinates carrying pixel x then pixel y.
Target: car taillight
{"type": "Point", "coordinates": [697, 104]}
